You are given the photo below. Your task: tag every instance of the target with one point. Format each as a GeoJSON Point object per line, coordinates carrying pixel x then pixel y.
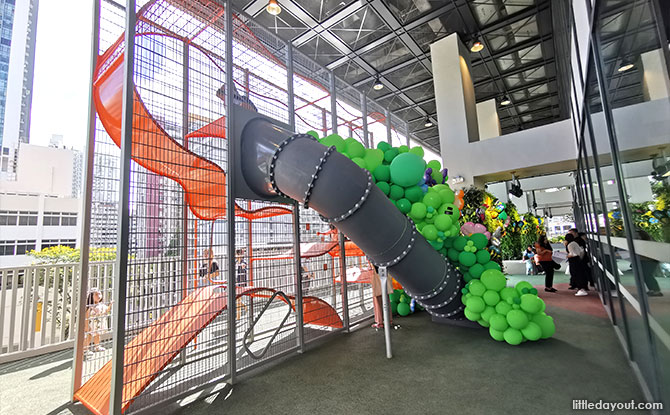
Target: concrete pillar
{"type": "Point", "coordinates": [487, 120]}
{"type": "Point", "coordinates": [454, 97]}
{"type": "Point", "coordinates": [655, 80]}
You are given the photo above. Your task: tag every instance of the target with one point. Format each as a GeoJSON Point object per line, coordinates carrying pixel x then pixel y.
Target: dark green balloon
{"type": "Point", "coordinates": [414, 194]}
{"type": "Point", "coordinates": [483, 256]}
{"type": "Point", "coordinates": [383, 146]}
{"type": "Point", "coordinates": [452, 254]}
{"type": "Point", "coordinates": [476, 270]}
{"type": "Point", "coordinates": [403, 309]}
{"type": "Point", "coordinates": [480, 240]}
{"type": "Point", "coordinates": [492, 265]}
{"type": "Point", "coordinates": [396, 192]}
{"type": "Point", "coordinates": [382, 173]}
{"type": "Point", "coordinates": [404, 205]}
{"type": "Point", "coordinates": [460, 242]}
{"type": "Point", "coordinates": [384, 187]}
{"type": "Point", "coordinates": [390, 154]}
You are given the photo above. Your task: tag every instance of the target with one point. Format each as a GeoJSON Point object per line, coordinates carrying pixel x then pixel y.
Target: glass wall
{"type": "Point", "coordinates": [622, 117]}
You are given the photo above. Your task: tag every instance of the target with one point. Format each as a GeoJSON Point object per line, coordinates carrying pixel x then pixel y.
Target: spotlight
{"type": "Point", "coordinates": [377, 86]}
{"type": "Point", "coordinates": [505, 100]}
{"type": "Point", "coordinates": [428, 122]}
{"type": "Point", "coordinates": [273, 7]}
{"type": "Point", "coordinates": [477, 46]}
{"type": "Point", "coordinates": [626, 66]}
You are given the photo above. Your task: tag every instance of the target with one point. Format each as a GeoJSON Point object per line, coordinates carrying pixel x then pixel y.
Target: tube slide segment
{"type": "Point", "coordinates": [277, 162]}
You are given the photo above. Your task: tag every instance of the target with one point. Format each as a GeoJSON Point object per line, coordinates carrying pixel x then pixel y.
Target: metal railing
{"type": "Point", "coordinates": [38, 306]}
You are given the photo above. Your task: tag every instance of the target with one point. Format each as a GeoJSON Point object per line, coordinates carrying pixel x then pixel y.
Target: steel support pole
{"type": "Point", "coordinates": [120, 273]}
{"type": "Point", "coordinates": [86, 206]}
{"type": "Point", "coordinates": [364, 117]}
{"type": "Point", "coordinates": [333, 103]}
{"type": "Point", "coordinates": [407, 136]}
{"type": "Point", "coordinates": [184, 206]}
{"type": "Point", "coordinates": [386, 309]}
{"type": "Point", "coordinates": [230, 200]}
{"type": "Point", "coordinates": [344, 286]}
{"type": "Point", "coordinates": [300, 327]}
{"type": "Point", "coordinates": [289, 89]}
{"type": "Point", "coordinates": [387, 115]}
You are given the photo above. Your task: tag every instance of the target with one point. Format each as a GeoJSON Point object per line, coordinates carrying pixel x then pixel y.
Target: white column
{"type": "Point", "coordinates": [487, 119]}
{"type": "Point", "coordinates": [655, 80]}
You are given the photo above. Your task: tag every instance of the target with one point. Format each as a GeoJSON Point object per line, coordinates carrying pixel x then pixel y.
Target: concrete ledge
{"type": "Point", "coordinates": [518, 267]}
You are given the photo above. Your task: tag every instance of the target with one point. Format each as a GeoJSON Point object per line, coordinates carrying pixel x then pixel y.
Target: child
{"type": "Point", "coordinates": [96, 312]}
{"type": "Point", "coordinates": [377, 299]}
{"type": "Point", "coordinates": [529, 257]}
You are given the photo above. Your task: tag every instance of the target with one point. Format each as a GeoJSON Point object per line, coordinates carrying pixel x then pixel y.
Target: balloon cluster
{"type": "Point", "coordinates": [470, 256]}
{"type": "Point", "coordinates": [401, 303]}
{"type": "Point", "coordinates": [513, 314]}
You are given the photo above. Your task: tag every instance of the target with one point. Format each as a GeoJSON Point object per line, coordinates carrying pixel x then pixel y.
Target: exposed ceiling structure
{"type": "Point", "coordinates": [360, 39]}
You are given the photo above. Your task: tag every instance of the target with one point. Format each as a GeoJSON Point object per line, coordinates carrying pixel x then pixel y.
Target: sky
{"type": "Point", "coordinates": [62, 72]}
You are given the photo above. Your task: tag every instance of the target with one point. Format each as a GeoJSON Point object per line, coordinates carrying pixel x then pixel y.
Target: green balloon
{"type": "Point", "coordinates": [531, 303]}
{"type": "Point", "coordinates": [503, 308]}
{"type": "Point", "coordinates": [417, 151]}
{"type": "Point", "coordinates": [492, 265]}
{"type": "Point", "coordinates": [418, 211]}
{"type": "Point", "coordinates": [471, 315]}
{"type": "Point", "coordinates": [475, 304]}
{"type": "Point", "coordinates": [390, 154]}
{"type": "Point", "coordinates": [493, 280]}
{"type": "Point", "coordinates": [443, 222]}
{"type": "Point", "coordinates": [476, 270]}
{"type": "Point", "coordinates": [483, 256]}
{"type": "Point", "coordinates": [487, 313]}
{"type": "Point", "coordinates": [414, 194]}
{"type": "Point", "coordinates": [432, 199]}
{"type": "Point", "coordinates": [373, 158]}
{"type": "Point", "coordinates": [334, 140]}
{"type": "Point", "coordinates": [394, 307]}
{"type": "Point", "coordinates": [313, 134]}
{"type": "Point", "coordinates": [394, 297]}
{"type": "Point", "coordinates": [546, 324]}
{"type": "Point", "coordinates": [451, 210]}
{"type": "Point", "coordinates": [437, 176]}
{"type": "Point", "coordinates": [435, 165]}
{"type": "Point", "coordinates": [477, 288]}
{"type": "Point", "coordinates": [502, 216]}
{"type": "Point", "coordinates": [382, 173]}
{"type": "Point", "coordinates": [405, 298]}
{"type": "Point", "coordinates": [513, 336]}
{"type": "Point", "coordinates": [452, 254]}
{"type": "Point", "coordinates": [497, 335]}
{"type": "Point", "coordinates": [532, 331]}
{"type": "Point", "coordinates": [460, 242]}
{"type": "Point", "coordinates": [396, 192]}
{"type": "Point", "coordinates": [359, 162]}
{"type": "Point", "coordinates": [404, 205]}
{"type": "Point", "coordinates": [479, 240]}
{"type": "Point", "coordinates": [384, 187]}
{"type": "Point", "coordinates": [521, 285]}
{"type": "Point", "coordinates": [508, 292]}
{"type": "Point", "coordinates": [491, 298]}
{"type": "Point", "coordinates": [449, 242]}
{"type": "Point", "coordinates": [516, 319]}
{"type": "Point", "coordinates": [437, 245]}
{"type": "Point", "coordinates": [483, 322]}
{"type": "Point", "coordinates": [403, 149]}
{"type": "Point", "coordinates": [498, 322]}
{"type": "Point", "coordinates": [447, 195]}
{"type": "Point", "coordinates": [383, 146]}
{"type": "Point", "coordinates": [406, 168]}
{"type": "Point", "coordinates": [355, 149]}
{"type": "Point", "coordinates": [467, 277]}
{"type": "Point", "coordinates": [467, 258]}
{"type": "Point", "coordinates": [404, 309]}
{"type": "Point", "coordinates": [430, 232]}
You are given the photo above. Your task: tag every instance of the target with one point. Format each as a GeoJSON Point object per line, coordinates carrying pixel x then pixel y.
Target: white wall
{"type": "Point", "coordinates": [42, 170]}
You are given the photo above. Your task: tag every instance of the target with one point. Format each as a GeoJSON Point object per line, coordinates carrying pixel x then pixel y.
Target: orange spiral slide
{"type": "Point", "coordinates": [204, 183]}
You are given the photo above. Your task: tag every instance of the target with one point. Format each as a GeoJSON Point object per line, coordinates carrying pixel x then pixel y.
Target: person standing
{"type": "Point", "coordinates": [209, 269]}
{"type": "Point", "coordinates": [240, 269]}
{"type": "Point", "coordinates": [377, 302]}
{"type": "Point", "coordinates": [576, 263]}
{"type": "Point", "coordinates": [545, 252]}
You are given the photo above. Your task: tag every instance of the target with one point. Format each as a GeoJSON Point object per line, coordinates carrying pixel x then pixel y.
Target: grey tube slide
{"type": "Point", "coordinates": [278, 162]}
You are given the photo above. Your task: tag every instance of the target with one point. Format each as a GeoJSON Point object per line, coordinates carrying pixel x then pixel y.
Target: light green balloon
{"type": "Point", "coordinates": [430, 232]}
{"type": "Point", "coordinates": [359, 162]}
{"type": "Point", "coordinates": [493, 280]}
{"type": "Point", "coordinates": [508, 292]}
{"type": "Point", "coordinates": [373, 158]}
{"type": "Point", "coordinates": [513, 336]}
{"type": "Point", "coordinates": [355, 149]}
{"type": "Point", "coordinates": [437, 176]}
{"type": "Point", "coordinates": [475, 304]}
{"type": "Point", "coordinates": [417, 150]}
{"type": "Point", "coordinates": [483, 322]}
{"type": "Point", "coordinates": [313, 134]}
{"type": "Point", "coordinates": [432, 199]}
{"type": "Point", "coordinates": [443, 222]}
{"type": "Point", "coordinates": [335, 140]}
{"type": "Point", "coordinates": [471, 315]}
{"type": "Point", "coordinates": [418, 211]}
{"type": "Point", "coordinates": [491, 297]}
{"type": "Point", "coordinates": [517, 319]}
{"type": "Point", "coordinates": [546, 324]}
{"type": "Point", "coordinates": [532, 331]}
{"type": "Point", "coordinates": [503, 308]}
{"type": "Point", "coordinates": [447, 195]}
{"type": "Point", "coordinates": [403, 149]}
{"type": "Point", "coordinates": [435, 165]}
{"type": "Point", "coordinates": [498, 322]}
{"type": "Point", "coordinates": [477, 288]}
{"type": "Point", "coordinates": [497, 335]}
{"type": "Point", "coordinates": [487, 313]}
{"type": "Point", "coordinates": [521, 285]}
{"type": "Point", "coordinates": [531, 304]}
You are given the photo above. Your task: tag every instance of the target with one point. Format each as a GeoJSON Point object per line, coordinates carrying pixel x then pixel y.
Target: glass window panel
{"type": "Point", "coordinates": [320, 50]}
{"type": "Point", "coordinates": [284, 25]}
{"type": "Point", "coordinates": [490, 11]}
{"type": "Point", "coordinates": [512, 34]}
{"type": "Point", "coordinates": [320, 10]}
{"type": "Point", "coordinates": [408, 75]}
{"type": "Point", "coordinates": [360, 28]}
{"type": "Point", "coordinates": [437, 28]}
{"type": "Point", "coordinates": [388, 54]}
{"type": "Point", "coordinates": [517, 59]}
{"type": "Point", "coordinates": [408, 10]}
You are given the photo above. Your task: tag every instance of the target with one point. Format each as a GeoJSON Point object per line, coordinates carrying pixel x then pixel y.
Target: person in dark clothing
{"type": "Point", "coordinates": [587, 258]}
{"type": "Point", "coordinates": [545, 251]}
{"type": "Point", "coordinates": [576, 263]}
{"type": "Point", "coordinates": [210, 268]}
{"type": "Point", "coordinates": [240, 269]}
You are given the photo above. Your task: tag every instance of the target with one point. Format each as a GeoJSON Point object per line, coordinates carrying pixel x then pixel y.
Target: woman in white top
{"type": "Point", "coordinates": [576, 261]}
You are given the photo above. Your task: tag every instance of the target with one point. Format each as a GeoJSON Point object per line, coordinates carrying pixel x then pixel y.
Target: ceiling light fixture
{"type": "Point", "coordinates": [377, 86]}
{"type": "Point", "coordinates": [428, 122]}
{"type": "Point", "coordinates": [505, 100]}
{"type": "Point", "coordinates": [273, 7]}
{"type": "Point", "coordinates": [626, 66]}
{"type": "Point", "coordinates": [477, 46]}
